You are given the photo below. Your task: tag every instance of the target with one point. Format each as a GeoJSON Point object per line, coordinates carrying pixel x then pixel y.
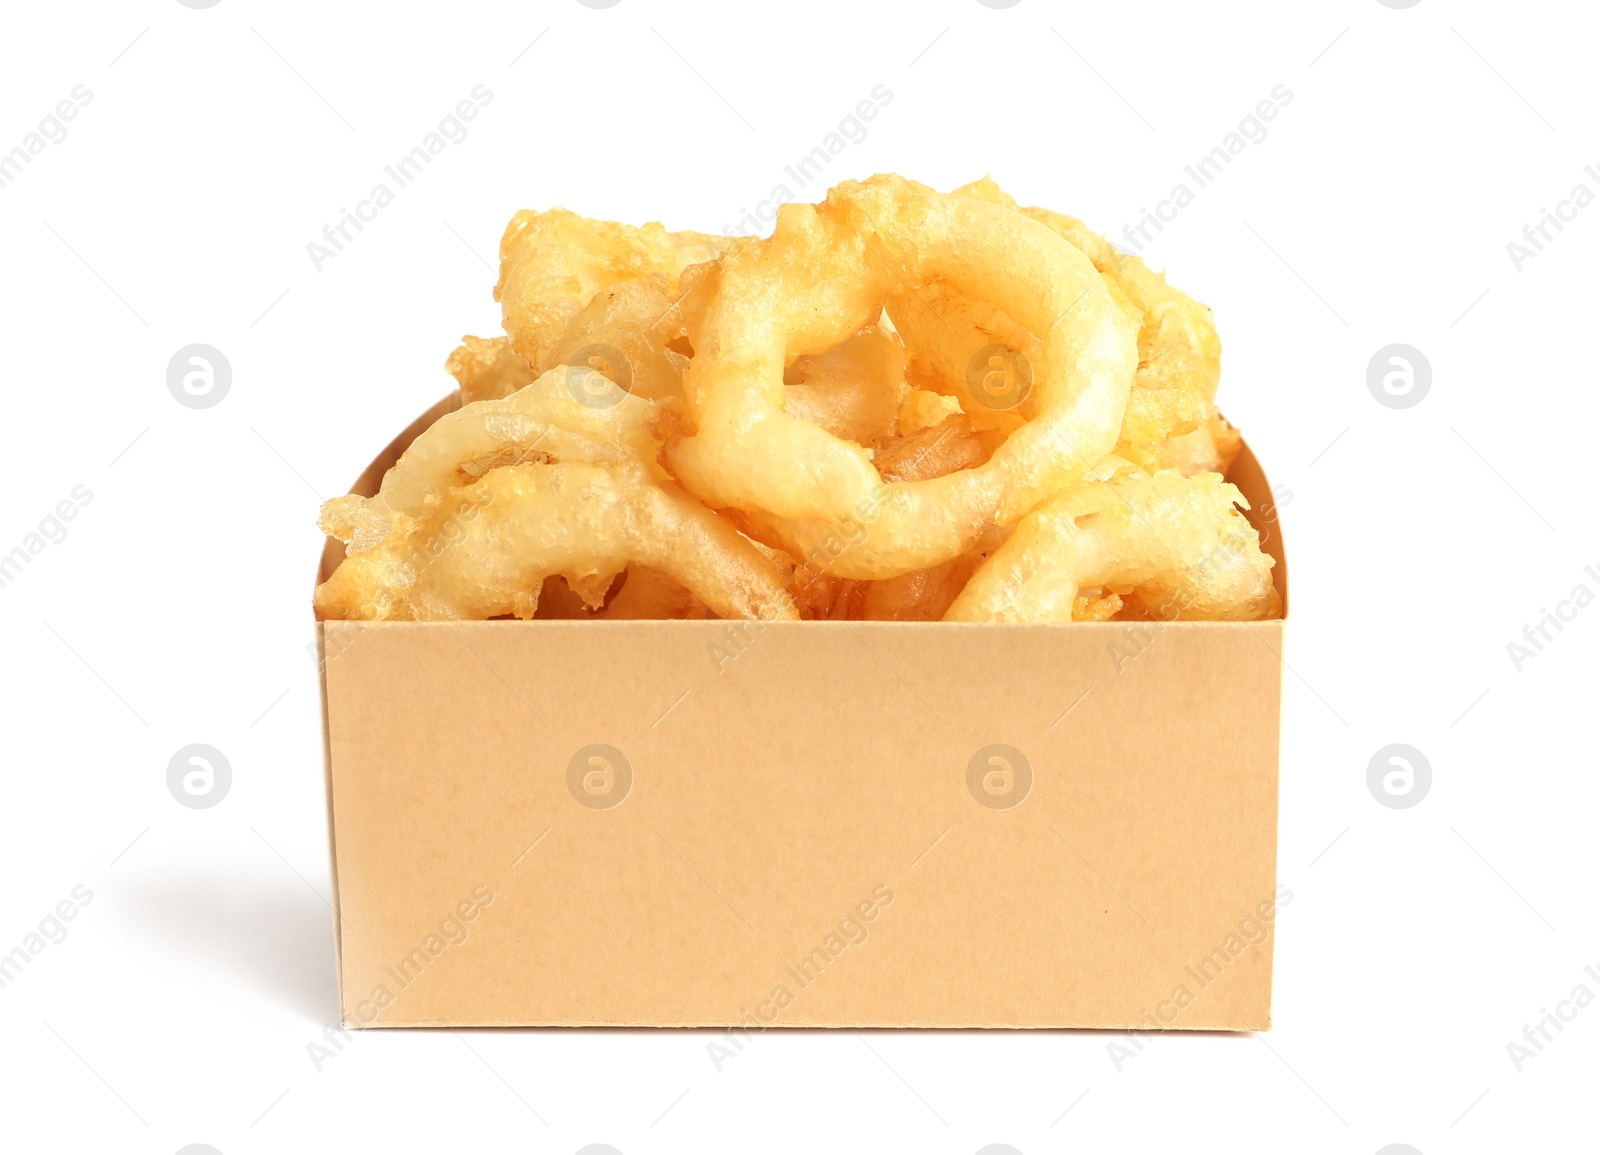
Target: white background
{"type": "Point", "coordinates": [217, 143]}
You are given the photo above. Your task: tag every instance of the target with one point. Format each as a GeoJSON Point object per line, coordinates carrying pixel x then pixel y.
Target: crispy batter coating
{"type": "Point", "coordinates": [484, 550]}
{"type": "Point", "coordinates": [823, 274]}
{"type": "Point", "coordinates": [1180, 356]}
{"type": "Point", "coordinates": [1178, 544]}
{"type": "Point", "coordinates": [1209, 449]}
{"type": "Point", "coordinates": [1180, 360]}
{"type": "Point", "coordinates": [553, 263]}
{"type": "Point", "coordinates": [953, 444]}
{"type": "Point", "coordinates": [923, 409]}
{"type": "Point", "coordinates": [487, 369]}
{"type": "Point", "coordinates": [542, 422]}
{"type": "Point", "coordinates": [627, 333]}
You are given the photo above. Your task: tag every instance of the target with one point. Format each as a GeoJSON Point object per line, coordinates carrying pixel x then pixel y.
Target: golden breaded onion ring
{"type": "Point", "coordinates": [568, 414]}
{"type": "Point", "coordinates": [1179, 545]}
{"type": "Point", "coordinates": [553, 263]}
{"type": "Point", "coordinates": [1180, 356]}
{"type": "Point", "coordinates": [484, 550]}
{"type": "Point", "coordinates": [824, 274]}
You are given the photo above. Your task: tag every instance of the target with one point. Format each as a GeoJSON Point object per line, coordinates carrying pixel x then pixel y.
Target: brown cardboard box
{"type": "Point", "coordinates": [804, 824]}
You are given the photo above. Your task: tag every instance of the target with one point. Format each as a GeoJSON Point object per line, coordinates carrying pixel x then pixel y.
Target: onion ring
{"type": "Point", "coordinates": [553, 263]}
{"type": "Point", "coordinates": [1090, 243]}
{"type": "Point", "coordinates": [1180, 356]}
{"type": "Point", "coordinates": [484, 550]}
{"type": "Point", "coordinates": [542, 422]}
{"type": "Point", "coordinates": [1177, 544]}
{"type": "Point", "coordinates": [810, 285]}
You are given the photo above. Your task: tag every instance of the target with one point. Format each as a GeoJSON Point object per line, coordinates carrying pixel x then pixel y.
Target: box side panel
{"type": "Point", "coordinates": [808, 824]}
{"type": "Point", "coordinates": [333, 843]}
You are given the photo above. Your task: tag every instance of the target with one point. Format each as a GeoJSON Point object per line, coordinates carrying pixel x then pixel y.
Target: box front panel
{"type": "Point", "coordinates": [803, 824]}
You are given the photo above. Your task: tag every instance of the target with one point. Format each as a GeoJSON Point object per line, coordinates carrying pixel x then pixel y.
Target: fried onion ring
{"type": "Point", "coordinates": [542, 422]}
{"type": "Point", "coordinates": [1178, 545]}
{"type": "Point", "coordinates": [821, 276]}
{"type": "Point", "coordinates": [484, 550]}
{"type": "Point", "coordinates": [1180, 356]}
{"type": "Point", "coordinates": [553, 263]}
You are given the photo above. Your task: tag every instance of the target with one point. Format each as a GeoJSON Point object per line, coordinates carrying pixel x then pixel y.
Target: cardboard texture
{"type": "Point", "coordinates": [804, 824]}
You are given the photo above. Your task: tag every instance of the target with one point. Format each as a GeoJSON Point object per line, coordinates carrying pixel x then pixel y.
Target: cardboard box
{"type": "Point", "coordinates": [803, 824]}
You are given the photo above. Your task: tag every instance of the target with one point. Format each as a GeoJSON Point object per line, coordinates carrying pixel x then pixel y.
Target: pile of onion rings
{"type": "Point", "coordinates": [902, 405]}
